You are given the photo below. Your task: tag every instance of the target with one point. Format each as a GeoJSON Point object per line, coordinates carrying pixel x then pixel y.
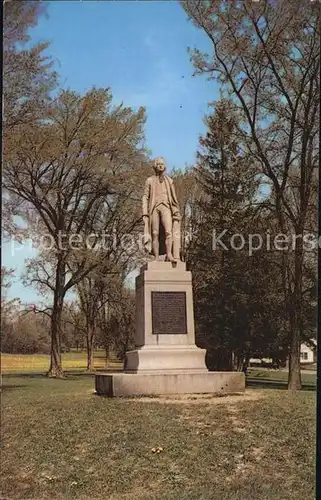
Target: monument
{"type": "Point", "coordinates": [166, 359]}
{"type": "Point", "coordinates": [161, 215]}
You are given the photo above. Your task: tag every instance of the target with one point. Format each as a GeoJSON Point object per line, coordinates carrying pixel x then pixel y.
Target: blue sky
{"type": "Point", "coordinates": [139, 50]}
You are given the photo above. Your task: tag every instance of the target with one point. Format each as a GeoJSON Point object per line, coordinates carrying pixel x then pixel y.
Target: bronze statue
{"type": "Point", "coordinates": [161, 215]}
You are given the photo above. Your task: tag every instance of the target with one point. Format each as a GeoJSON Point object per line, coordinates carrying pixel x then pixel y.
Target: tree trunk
{"type": "Point", "coordinates": [107, 354]}
{"type": "Point", "coordinates": [238, 361]}
{"type": "Point", "coordinates": [294, 382]}
{"type": "Point", "coordinates": [90, 348]}
{"type": "Point", "coordinates": [294, 304]}
{"type": "Point", "coordinates": [55, 369]}
{"type": "Point", "coordinates": [246, 361]}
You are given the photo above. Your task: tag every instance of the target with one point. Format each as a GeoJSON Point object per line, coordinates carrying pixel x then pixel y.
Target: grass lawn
{"type": "Point", "coordinates": [61, 441]}
{"type": "Point", "coordinates": [277, 378]}
{"type": "Point", "coordinates": [27, 363]}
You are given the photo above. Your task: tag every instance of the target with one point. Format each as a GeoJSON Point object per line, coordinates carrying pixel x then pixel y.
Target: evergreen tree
{"type": "Point", "coordinates": [234, 288]}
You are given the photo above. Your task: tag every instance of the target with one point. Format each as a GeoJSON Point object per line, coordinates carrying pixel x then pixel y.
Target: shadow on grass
{"type": "Point", "coordinates": [24, 375]}
{"type": "Point", "coordinates": [275, 384]}
{"type": "Point", "coordinates": [69, 375]}
{"type": "Point", "coordinates": [6, 388]}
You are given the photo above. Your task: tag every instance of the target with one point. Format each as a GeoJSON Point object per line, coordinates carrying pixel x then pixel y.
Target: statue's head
{"type": "Point", "coordinates": [159, 165]}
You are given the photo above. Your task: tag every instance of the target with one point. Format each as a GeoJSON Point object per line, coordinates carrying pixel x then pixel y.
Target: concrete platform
{"type": "Point", "coordinates": [166, 358]}
{"type": "Point", "coordinates": [150, 384]}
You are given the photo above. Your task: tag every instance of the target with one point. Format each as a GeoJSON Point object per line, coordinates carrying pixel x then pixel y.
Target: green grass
{"type": "Point", "coordinates": [309, 366]}
{"type": "Point", "coordinates": [278, 378]}
{"type": "Point", "coordinates": [61, 441]}
{"type": "Point", "coordinates": [38, 363]}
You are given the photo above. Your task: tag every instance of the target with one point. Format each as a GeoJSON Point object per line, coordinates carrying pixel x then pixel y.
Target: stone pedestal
{"type": "Point", "coordinates": [166, 359]}
{"type": "Point", "coordinates": [165, 337]}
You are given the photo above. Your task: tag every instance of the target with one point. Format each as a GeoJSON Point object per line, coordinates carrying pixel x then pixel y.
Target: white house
{"type": "Point", "coordinates": [308, 352]}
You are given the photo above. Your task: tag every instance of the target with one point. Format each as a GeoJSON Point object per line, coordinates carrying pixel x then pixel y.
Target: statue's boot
{"type": "Point", "coordinates": [170, 258]}
{"type": "Point", "coordinates": [169, 244]}
{"type": "Point", "coordinates": [155, 248]}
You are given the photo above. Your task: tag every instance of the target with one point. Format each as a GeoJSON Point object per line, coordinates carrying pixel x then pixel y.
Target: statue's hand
{"type": "Point", "coordinates": [176, 216]}
{"type": "Point", "coordinates": [145, 218]}
{"type": "Point", "coordinates": [147, 238]}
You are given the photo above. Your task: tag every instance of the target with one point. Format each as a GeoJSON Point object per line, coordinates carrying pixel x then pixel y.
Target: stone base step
{"type": "Point", "coordinates": [161, 383]}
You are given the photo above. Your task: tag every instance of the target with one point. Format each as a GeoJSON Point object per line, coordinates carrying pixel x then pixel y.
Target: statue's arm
{"type": "Point", "coordinates": [146, 199]}
{"type": "Point", "coordinates": [176, 212]}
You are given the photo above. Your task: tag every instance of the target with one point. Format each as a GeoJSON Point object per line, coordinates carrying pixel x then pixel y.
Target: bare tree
{"type": "Point", "coordinates": [267, 58]}
{"type": "Point", "coordinates": [71, 169]}
{"type": "Point", "coordinates": [94, 293]}
{"type": "Point", "coordinates": [28, 78]}
{"type": "Point", "coordinates": [188, 194]}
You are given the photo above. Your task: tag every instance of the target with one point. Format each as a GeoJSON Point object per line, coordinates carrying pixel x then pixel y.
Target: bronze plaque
{"type": "Point", "coordinates": [169, 313]}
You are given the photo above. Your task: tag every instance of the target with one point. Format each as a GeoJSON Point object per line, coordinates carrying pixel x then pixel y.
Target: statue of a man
{"type": "Point", "coordinates": [161, 214]}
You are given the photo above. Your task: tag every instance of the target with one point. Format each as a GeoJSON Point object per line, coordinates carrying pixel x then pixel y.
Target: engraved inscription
{"type": "Point", "coordinates": [169, 313]}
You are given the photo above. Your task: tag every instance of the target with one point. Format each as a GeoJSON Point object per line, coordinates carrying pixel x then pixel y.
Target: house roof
{"type": "Point", "coordinates": [311, 343]}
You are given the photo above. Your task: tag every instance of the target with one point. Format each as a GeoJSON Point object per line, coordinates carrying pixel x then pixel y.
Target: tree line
{"type": "Point", "coordinates": [27, 330]}
{"type": "Point", "coordinates": [74, 167]}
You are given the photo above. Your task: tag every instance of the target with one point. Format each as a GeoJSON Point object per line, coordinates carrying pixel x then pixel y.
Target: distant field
{"type": "Point", "coordinates": [76, 361]}
{"type": "Point", "coordinates": [20, 363]}
{"type": "Point", "coordinates": [310, 366]}
{"type": "Point", "coordinates": [270, 377]}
